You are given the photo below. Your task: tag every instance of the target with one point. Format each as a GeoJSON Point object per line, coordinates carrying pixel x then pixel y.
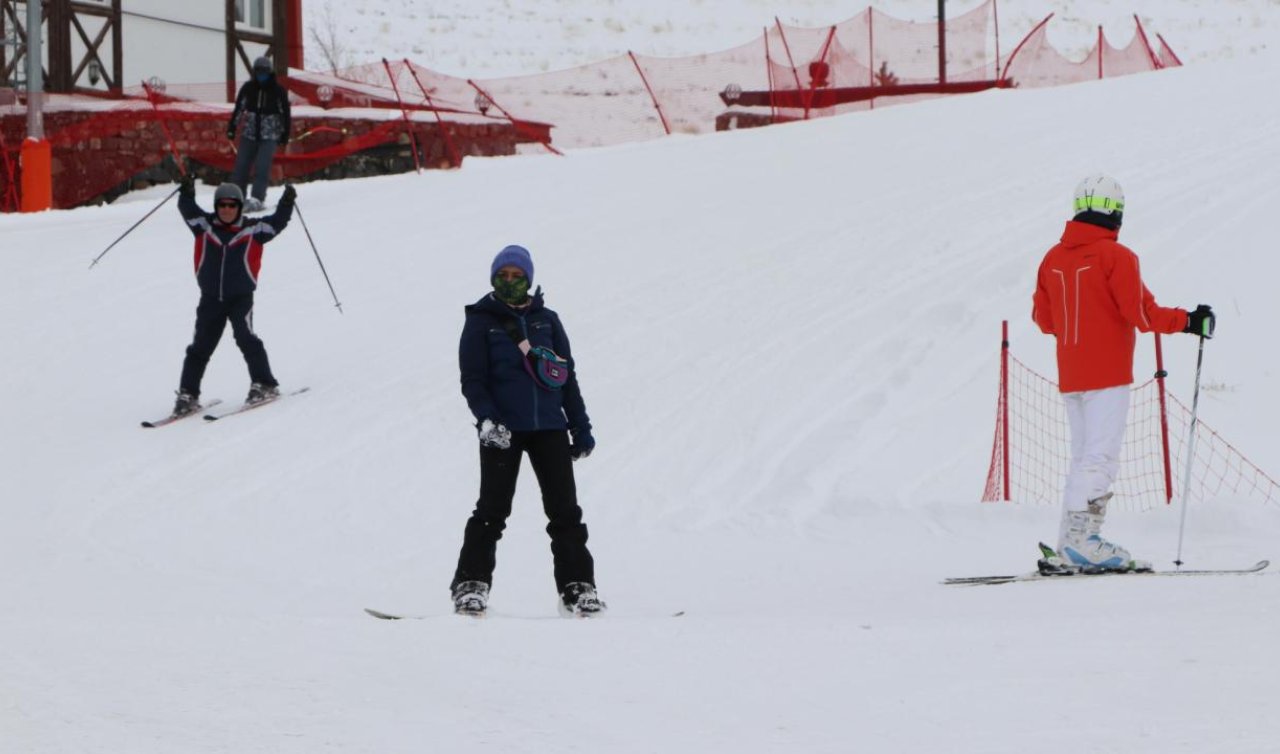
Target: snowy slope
{"type": "Point", "coordinates": [788, 344]}
{"type": "Point", "coordinates": [490, 38]}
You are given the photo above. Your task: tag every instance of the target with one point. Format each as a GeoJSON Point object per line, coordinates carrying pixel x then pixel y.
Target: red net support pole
{"type": "Point", "coordinates": [1004, 403]}
{"type": "Point", "coordinates": [790, 61]}
{"type": "Point", "coordinates": [1014, 55]}
{"type": "Point", "coordinates": [173, 146]}
{"type": "Point", "coordinates": [503, 110]}
{"type": "Point", "coordinates": [942, 41]}
{"type": "Point", "coordinates": [1146, 44]}
{"type": "Point", "coordinates": [454, 158]}
{"type": "Point", "coordinates": [11, 201]}
{"type": "Point", "coordinates": [871, 52]}
{"type": "Point", "coordinates": [1164, 423]}
{"type": "Point", "coordinates": [1169, 49]}
{"type": "Point", "coordinates": [656, 104]}
{"type": "Point", "coordinates": [995, 22]}
{"type": "Point", "coordinates": [768, 72]}
{"type": "Point", "coordinates": [1101, 49]}
{"type": "Point", "coordinates": [408, 125]}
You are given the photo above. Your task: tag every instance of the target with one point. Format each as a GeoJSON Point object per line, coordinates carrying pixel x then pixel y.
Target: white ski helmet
{"type": "Point", "coordinates": [1099, 193]}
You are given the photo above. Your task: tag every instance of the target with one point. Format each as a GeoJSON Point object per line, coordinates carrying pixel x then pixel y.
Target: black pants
{"type": "Point", "coordinates": [212, 316]}
{"type": "Point", "coordinates": [549, 454]}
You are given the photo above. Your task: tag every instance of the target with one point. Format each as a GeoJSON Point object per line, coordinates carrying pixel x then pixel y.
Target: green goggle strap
{"type": "Point", "coordinates": [1098, 203]}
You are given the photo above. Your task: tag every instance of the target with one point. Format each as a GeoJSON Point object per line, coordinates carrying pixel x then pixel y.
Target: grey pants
{"type": "Point", "coordinates": [257, 153]}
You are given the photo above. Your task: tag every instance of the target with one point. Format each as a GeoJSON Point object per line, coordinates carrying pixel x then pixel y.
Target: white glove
{"type": "Point", "coordinates": [494, 435]}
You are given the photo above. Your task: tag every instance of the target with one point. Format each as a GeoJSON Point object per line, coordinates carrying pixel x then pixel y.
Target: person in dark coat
{"type": "Point", "coordinates": [512, 354]}
{"type": "Point", "coordinates": [263, 115]}
{"type": "Point", "coordinates": [228, 256]}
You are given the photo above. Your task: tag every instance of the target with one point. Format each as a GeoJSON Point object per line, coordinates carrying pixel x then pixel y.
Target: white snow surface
{"type": "Point", "coordinates": [788, 342]}
{"type": "Point", "coordinates": [491, 38]}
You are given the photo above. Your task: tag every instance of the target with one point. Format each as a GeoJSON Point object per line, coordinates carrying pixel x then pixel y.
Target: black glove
{"type": "Point", "coordinates": [231, 133]}
{"type": "Point", "coordinates": [290, 193]}
{"type": "Point", "coordinates": [581, 443]}
{"type": "Point", "coordinates": [1201, 321]}
{"type": "Point", "coordinates": [187, 185]}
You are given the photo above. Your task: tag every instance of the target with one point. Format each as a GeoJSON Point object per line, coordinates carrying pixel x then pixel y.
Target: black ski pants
{"type": "Point", "coordinates": [549, 455]}
{"type": "Point", "coordinates": [212, 316]}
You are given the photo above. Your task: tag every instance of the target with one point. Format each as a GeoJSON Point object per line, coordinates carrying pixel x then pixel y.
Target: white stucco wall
{"type": "Point", "coordinates": [178, 41]}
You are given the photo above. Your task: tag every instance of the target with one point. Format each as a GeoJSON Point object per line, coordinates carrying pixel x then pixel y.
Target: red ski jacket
{"type": "Point", "coordinates": [1090, 296]}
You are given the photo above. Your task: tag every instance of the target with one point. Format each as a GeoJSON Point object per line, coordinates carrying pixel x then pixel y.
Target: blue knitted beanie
{"type": "Point", "coordinates": [517, 256]}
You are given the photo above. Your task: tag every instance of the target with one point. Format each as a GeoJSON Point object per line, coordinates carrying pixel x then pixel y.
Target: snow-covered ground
{"type": "Point", "coordinates": [488, 38]}
{"type": "Point", "coordinates": [788, 344]}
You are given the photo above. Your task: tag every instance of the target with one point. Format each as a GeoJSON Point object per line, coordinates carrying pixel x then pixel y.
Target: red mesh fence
{"type": "Point", "coordinates": [1033, 442]}
{"type": "Point", "coordinates": [787, 73]}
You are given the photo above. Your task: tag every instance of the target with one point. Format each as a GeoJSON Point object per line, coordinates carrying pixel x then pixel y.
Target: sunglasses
{"type": "Point", "coordinates": [228, 205]}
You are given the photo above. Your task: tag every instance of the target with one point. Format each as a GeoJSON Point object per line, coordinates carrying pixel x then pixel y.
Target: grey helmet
{"type": "Point", "coordinates": [229, 191]}
{"type": "Point", "coordinates": [263, 65]}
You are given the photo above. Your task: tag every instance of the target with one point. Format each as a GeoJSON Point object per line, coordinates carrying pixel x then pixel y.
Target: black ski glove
{"type": "Point", "coordinates": [290, 193]}
{"type": "Point", "coordinates": [231, 133]}
{"type": "Point", "coordinates": [1201, 321]}
{"type": "Point", "coordinates": [187, 185]}
{"type": "Point", "coordinates": [581, 443]}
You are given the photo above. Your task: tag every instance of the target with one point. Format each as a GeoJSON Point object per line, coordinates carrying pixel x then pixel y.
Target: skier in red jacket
{"type": "Point", "coordinates": [1090, 296]}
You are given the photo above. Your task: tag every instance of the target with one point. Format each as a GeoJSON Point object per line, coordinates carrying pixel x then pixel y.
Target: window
{"type": "Point", "coordinates": [257, 13]}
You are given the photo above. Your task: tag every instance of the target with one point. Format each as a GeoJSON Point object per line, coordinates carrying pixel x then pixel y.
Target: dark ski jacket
{"type": "Point", "coordinates": [494, 380]}
{"type": "Point", "coordinates": [265, 108]}
{"type": "Point", "coordinates": [228, 257]}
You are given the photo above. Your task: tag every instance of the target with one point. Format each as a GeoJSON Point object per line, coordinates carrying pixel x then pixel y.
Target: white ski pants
{"type": "Point", "coordinates": [1097, 419]}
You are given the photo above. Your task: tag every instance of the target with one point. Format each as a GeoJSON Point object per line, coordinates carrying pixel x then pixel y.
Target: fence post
{"type": "Point", "coordinates": [408, 125]}
{"type": "Point", "coordinates": [444, 132]}
{"type": "Point", "coordinates": [656, 104]}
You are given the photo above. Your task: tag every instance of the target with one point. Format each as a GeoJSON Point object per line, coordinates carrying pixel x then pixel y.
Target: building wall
{"type": "Point", "coordinates": [180, 42]}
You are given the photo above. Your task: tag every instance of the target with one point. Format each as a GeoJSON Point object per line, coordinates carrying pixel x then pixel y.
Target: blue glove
{"type": "Point", "coordinates": [493, 435]}
{"type": "Point", "coordinates": [581, 443]}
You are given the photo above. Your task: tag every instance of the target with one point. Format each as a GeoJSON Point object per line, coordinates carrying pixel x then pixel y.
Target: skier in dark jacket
{"type": "Point", "coordinates": [263, 104]}
{"type": "Point", "coordinates": [509, 387]}
{"type": "Point", "coordinates": [228, 255]}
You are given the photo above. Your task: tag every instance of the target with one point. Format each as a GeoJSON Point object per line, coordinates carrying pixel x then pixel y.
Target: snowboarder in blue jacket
{"type": "Point", "coordinates": [510, 341]}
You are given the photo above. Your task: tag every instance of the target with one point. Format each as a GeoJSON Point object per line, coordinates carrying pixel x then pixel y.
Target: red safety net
{"type": "Point", "coordinates": [1032, 449]}
{"type": "Point", "coordinates": [787, 73]}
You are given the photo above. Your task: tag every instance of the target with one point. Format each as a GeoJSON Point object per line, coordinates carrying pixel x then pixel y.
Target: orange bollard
{"type": "Point", "coordinates": [36, 159]}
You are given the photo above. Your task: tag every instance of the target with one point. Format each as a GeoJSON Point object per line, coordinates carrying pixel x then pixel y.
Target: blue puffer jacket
{"type": "Point", "coordinates": [494, 380]}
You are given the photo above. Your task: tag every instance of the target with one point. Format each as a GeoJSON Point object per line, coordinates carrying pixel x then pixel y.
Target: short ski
{"type": "Point", "coordinates": [170, 419]}
{"type": "Point", "coordinates": [250, 406]}
{"type": "Point", "coordinates": [1037, 576]}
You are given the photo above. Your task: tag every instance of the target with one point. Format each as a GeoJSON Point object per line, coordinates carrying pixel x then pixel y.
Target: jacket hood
{"type": "Point", "coordinates": [1082, 234]}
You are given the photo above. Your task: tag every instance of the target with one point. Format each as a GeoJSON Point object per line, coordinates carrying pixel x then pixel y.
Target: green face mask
{"type": "Point", "coordinates": [514, 292]}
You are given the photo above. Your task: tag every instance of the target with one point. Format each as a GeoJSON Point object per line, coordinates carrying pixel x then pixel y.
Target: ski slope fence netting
{"type": "Point", "coordinates": [1031, 452]}
{"type": "Point", "coordinates": [787, 73]}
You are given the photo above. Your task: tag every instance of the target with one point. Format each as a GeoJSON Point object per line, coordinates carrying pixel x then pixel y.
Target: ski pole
{"type": "Point", "coordinates": [135, 225]}
{"type": "Point", "coordinates": [1191, 449]}
{"type": "Point", "coordinates": [301, 219]}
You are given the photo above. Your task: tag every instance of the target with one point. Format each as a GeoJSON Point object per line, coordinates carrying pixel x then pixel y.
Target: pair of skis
{"type": "Point", "coordinates": [1053, 574]}
{"type": "Point", "coordinates": [215, 416]}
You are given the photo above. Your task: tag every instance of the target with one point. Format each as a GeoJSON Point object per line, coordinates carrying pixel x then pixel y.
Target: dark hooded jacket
{"type": "Point", "coordinates": [265, 108]}
{"type": "Point", "coordinates": [494, 380]}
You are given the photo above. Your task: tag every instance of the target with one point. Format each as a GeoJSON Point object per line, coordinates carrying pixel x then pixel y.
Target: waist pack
{"type": "Point", "coordinates": [549, 370]}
